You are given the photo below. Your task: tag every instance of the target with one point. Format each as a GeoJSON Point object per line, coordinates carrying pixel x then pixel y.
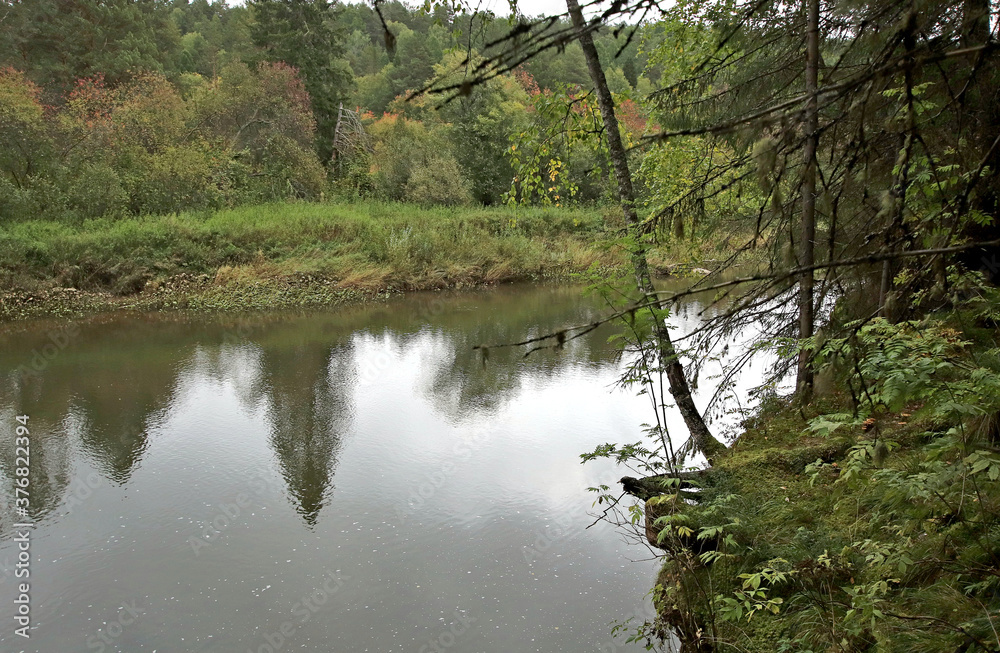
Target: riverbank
{"type": "Point", "coordinates": [865, 521]}
{"type": "Point", "coordinates": [287, 255]}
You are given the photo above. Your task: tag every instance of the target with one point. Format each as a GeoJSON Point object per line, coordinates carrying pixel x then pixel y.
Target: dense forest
{"type": "Point", "coordinates": [117, 108]}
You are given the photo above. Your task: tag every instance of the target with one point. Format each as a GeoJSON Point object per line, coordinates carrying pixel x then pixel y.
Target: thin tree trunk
{"type": "Point", "coordinates": [883, 289]}
{"type": "Point", "coordinates": [701, 437]}
{"type": "Point", "coordinates": [975, 22]}
{"type": "Point", "coordinates": [807, 241]}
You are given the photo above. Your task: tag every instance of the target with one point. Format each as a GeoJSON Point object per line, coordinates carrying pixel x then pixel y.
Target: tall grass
{"type": "Point", "coordinates": [364, 245]}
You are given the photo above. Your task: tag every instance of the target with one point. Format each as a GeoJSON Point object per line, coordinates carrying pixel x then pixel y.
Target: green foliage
{"type": "Point", "coordinates": [143, 147]}
{"type": "Point", "coordinates": [307, 35]}
{"type": "Point", "coordinates": [414, 163]}
{"type": "Point", "coordinates": [95, 189]}
{"type": "Point", "coordinates": [198, 47]}
{"type": "Point", "coordinates": [890, 545]}
{"type": "Point", "coordinates": [481, 124]}
{"type": "Point", "coordinates": [558, 158]}
{"type": "Point", "coordinates": [375, 91]}
{"type": "Point", "coordinates": [752, 597]}
{"type": "Point", "coordinates": [22, 130]}
{"type": "Point", "coordinates": [59, 41]}
{"type": "Point", "coordinates": [439, 181]}
{"type": "Point", "coordinates": [177, 177]}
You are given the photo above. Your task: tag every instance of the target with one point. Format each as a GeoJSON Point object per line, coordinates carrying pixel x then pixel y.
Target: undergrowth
{"type": "Point", "coordinates": [866, 521]}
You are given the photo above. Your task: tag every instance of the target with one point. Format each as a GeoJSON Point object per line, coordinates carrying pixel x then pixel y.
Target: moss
{"type": "Point", "coordinates": [831, 537]}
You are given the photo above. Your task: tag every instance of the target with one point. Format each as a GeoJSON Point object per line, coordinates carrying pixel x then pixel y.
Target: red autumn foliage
{"type": "Point", "coordinates": [526, 81]}
{"type": "Point", "coordinates": [631, 117]}
{"type": "Point", "coordinates": [92, 100]}
{"type": "Point", "coordinates": [284, 80]}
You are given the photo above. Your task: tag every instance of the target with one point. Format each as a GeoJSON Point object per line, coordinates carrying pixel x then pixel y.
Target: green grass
{"type": "Point", "coordinates": [364, 246]}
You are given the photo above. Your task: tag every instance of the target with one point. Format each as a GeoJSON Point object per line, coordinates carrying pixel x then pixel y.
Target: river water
{"type": "Point", "coordinates": [352, 480]}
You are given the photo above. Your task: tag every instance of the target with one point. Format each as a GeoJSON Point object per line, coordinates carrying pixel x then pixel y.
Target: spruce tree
{"type": "Point", "coordinates": [307, 34]}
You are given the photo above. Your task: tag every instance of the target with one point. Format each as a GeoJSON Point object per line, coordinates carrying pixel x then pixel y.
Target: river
{"type": "Point", "coordinates": [352, 480]}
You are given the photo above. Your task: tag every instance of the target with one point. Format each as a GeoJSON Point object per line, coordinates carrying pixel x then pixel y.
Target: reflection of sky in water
{"type": "Point", "coordinates": [371, 442]}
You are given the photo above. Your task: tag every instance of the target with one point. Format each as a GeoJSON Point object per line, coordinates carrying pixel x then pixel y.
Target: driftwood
{"type": "Point", "coordinates": [686, 484]}
{"type": "Point", "coordinates": [652, 486]}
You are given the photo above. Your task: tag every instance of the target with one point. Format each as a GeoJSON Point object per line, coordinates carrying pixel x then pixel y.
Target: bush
{"type": "Point", "coordinates": [438, 182]}
{"type": "Point", "coordinates": [412, 162]}
{"type": "Point", "coordinates": [178, 178]}
{"type": "Point", "coordinates": [295, 169]}
{"type": "Point", "coordinates": [96, 190]}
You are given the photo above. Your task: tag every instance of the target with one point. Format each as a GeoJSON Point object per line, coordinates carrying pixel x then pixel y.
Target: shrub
{"type": "Point", "coordinates": [96, 190]}
{"type": "Point", "coordinates": [177, 178]}
{"type": "Point", "coordinates": [412, 162]}
{"type": "Point", "coordinates": [439, 181]}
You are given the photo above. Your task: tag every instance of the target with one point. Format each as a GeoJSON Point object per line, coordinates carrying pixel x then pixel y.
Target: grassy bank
{"type": "Point", "coordinates": [286, 254]}
{"type": "Point", "coordinates": [867, 521]}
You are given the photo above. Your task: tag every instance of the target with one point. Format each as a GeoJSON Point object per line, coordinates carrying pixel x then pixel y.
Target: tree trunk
{"type": "Point", "coordinates": [807, 240]}
{"type": "Point", "coordinates": [701, 437]}
{"type": "Point", "coordinates": [975, 22]}
{"type": "Point", "coordinates": [980, 111]}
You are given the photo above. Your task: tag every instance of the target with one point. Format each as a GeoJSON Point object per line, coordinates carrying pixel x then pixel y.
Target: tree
{"type": "Point", "coordinates": [306, 34]}
{"type": "Point", "coordinates": [26, 157]}
{"type": "Point", "coordinates": [261, 121]}
{"type": "Point", "coordinates": [58, 42]}
{"type": "Point", "coordinates": [212, 35]}
{"type": "Point", "coordinates": [22, 128]}
{"type": "Point", "coordinates": [481, 124]}
{"type": "Point", "coordinates": [413, 161]}
{"type": "Point", "coordinates": [807, 239]}
{"type": "Point", "coordinates": [863, 157]}
{"type": "Point", "coordinates": [701, 438]}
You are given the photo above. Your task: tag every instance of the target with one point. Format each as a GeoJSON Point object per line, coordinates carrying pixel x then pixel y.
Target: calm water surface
{"type": "Point", "coordinates": [353, 480]}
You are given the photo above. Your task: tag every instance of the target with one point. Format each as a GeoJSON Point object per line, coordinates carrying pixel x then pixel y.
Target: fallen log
{"type": "Point", "coordinates": [656, 491]}
{"type": "Point", "coordinates": [652, 486]}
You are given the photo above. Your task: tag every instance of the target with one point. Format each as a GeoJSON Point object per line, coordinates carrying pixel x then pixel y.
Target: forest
{"type": "Point", "coordinates": [198, 105]}
{"type": "Point", "coordinates": [826, 172]}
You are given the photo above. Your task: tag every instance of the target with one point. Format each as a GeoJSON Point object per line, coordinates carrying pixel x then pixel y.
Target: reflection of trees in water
{"type": "Point", "coordinates": [120, 377]}
{"type": "Point", "coordinates": [107, 387]}
{"type": "Point", "coordinates": [311, 406]}
{"type": "Point", "coordinates": [50, 459]}
{"type": "Point", "coordinates": [121, 374]}
{"type": "Point", "coordinates": [107, 403]}
{"type": "Point", "coordinates": [305, 386]}
{"type": "Point", "coordinates": [120, 406]}
{"type": "Point", "coordinates": [456, 379]}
